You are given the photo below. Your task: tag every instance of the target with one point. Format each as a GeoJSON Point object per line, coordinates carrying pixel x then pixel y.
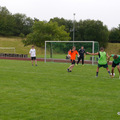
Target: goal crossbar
{"type": "Point", "coordinates": [73, 41]}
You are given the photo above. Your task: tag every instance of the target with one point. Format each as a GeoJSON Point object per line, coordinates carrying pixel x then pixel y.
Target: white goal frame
{"type": "Point", "coordinates": [8, 48]}
{"type": "Point", "coordinates": [93, 42]}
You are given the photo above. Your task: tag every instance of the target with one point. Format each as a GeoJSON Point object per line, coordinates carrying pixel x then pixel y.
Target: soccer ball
{"type": "Point", "coordinates": [113, 74]}
{"type": "Point", "coordinates": [68, 56]}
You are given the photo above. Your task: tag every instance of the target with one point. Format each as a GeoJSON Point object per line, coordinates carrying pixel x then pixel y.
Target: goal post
{"type": "Point", "coordinates": [53, 49]}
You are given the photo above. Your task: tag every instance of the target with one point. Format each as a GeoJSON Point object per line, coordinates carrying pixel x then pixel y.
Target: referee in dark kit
{"type": "Point", "coordinates": [81, 53]}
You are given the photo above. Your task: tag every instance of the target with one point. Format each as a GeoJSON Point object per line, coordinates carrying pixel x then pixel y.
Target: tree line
{"type": "Point", "coordinates": [36, 31]}
{"type": "Point", "coordinates": [14, 24]}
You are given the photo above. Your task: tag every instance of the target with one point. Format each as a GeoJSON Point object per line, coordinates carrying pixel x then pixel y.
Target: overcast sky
{"type": "Point", "coordinates": [108, 11]}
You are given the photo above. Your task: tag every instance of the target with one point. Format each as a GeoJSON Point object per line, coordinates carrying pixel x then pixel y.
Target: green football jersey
{"type": "Point", "coordinates": [103, 58]}
{"type": "Point", "coordinates": [116, 61]}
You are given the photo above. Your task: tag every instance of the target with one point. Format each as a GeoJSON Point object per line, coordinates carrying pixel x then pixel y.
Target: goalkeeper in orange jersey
{"type": "Point", "coordinates": [72, 54]}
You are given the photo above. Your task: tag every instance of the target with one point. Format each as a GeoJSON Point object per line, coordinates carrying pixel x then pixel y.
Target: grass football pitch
{"type": "Point", "coordinates": [49, 92]}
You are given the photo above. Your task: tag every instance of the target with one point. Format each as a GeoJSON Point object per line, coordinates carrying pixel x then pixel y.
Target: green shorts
{"type": "Point", "coordinates": [105, 66]}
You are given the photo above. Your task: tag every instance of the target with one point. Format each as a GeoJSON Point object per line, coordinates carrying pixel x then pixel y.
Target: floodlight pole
{"type": "Point", "coordinates": [73, 28]}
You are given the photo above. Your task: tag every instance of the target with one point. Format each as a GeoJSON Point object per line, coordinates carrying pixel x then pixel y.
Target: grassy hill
{"type": "Point", "coordinates": [113, 48]}
{"type": "Point", "coordinates": [20, 49]}
{"type": "Point", "coordinates": [19, 46]}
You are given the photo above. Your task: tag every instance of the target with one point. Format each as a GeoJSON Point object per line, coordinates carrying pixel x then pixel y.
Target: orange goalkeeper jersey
{"type": "Point", "coordinates": [73, 54]}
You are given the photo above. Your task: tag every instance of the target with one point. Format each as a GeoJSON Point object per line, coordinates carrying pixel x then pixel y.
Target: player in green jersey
{"type": "Point", "coordinates": [115, 63]}
{"type": "Point", "coordinates": [102, 62]}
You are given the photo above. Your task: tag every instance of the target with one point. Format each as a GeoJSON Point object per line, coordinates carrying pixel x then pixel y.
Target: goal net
{"type": "Point", "coordinates": [59, 49]}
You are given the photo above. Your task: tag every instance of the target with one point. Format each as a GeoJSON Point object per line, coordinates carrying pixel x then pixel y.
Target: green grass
{"type": "Point", "coordinates": [49, 92]}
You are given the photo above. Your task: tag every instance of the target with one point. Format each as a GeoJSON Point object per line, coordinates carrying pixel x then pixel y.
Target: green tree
{"type": "Point", "coordinates": [23, 24]}
{"type": "Point", "coordinates": [14, 24]}
{"type": "Point", "coordinates": [86, 30]}
{"type": "Point", "coordinates": [67, 23]}
{"type": "Point", "coordinates": [6, 22]}
{"type": "Point", "coordinates": [91, 30]}
{"type": "Point", "coordinates": [114, 35]}
{"type": "Point", "coordinates": [43, 31]}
